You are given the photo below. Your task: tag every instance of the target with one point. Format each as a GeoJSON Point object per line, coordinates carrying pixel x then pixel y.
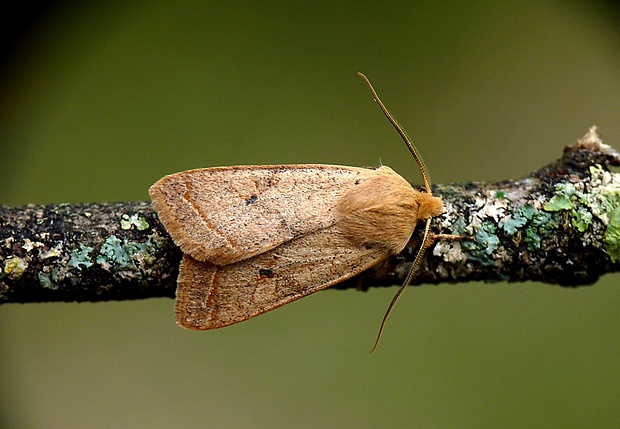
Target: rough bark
{"type": "Point", "coordinates": [559, 225]}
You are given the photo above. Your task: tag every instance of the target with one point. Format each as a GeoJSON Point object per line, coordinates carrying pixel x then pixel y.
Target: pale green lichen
{"type": "Point", "coordinates": [125, 255]}
{"type": "Point", "coordinates": [136, 220]}
{"type": "Point", "coordinates": [460, 227]}
{"type": "Point", "coordinates": [518, 219]}
{"type": "Point", "coordinates": [116, 251]}
{"type": "Point", "coordinates": [599, 197]}
{"type": "Point", "coordinates": [612, 236]}
{"type": "Point", "coordinates": [81, 258]}
{"type": "Point", "coordinates": [46, 282]}
{"type": "Point", "coordinates": [499, 193]}
{"type": "Point", "coordinates": [530, 225]}
{"type": "Point", "coordinates": [545, 223]}
{"type": "Point", "coordinates": [532, 239]}
{"type": "Point", "coordinates": [562, 199]}
{"type": "Point", "coordinates": [525, 224]}
{"type": "Point", "coordinates": [51, 279]}
{"type": "Point", "coordinates": [491, 207]}
{"type": "Point", "coordinates": [486, 236]}
{"type": "Point", "coordinates": [581, 219]}
{"type": "Point", "coordinates": [604, 201]}
{"type": "Point", "coordinates": [486, 243]}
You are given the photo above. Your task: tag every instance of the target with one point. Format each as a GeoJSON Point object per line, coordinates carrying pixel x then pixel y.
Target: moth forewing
{"type": "Point", "coordinates": [227, 214]}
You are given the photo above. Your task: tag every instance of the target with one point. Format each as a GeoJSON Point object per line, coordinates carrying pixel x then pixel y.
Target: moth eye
{"type": "Point", "coordinates": [251, 200]}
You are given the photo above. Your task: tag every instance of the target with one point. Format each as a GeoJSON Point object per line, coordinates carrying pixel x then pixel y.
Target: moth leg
{"type": "Point", "coordinates": [432, 238]}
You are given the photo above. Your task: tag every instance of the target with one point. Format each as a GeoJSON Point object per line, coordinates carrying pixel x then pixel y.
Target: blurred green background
{"type": "Point", "coordinates": [100, 99]}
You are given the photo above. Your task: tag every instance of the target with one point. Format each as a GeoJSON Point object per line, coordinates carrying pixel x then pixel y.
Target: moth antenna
{"type": "Point", "coordinates": [427, 241]}
{"type": "Point", "coordinates": [425, 176]}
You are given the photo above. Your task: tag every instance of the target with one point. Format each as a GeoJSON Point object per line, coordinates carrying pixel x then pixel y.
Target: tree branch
{"type": "Point", "coordinates": [559, 225]}
{"type": "Point", "coordinates": [85, 252]}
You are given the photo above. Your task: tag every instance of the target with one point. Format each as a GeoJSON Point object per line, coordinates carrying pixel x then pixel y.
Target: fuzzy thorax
{"type": "Point", "coordinates": [384, 210]}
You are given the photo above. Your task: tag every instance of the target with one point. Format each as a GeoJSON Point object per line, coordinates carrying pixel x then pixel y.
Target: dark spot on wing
{"type": "Point", "coordinates": [265, 273]}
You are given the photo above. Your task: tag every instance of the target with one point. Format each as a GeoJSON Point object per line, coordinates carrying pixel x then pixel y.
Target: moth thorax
{"type": "Point", "coordinates": [381, 210]}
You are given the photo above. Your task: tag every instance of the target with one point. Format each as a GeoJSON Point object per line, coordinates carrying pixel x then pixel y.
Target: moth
{"type": "Point", "coordinates": [256, 237]}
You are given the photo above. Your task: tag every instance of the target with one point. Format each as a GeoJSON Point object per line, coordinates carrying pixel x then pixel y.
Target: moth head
{"type": "Point", "coordinates": [429, 207]}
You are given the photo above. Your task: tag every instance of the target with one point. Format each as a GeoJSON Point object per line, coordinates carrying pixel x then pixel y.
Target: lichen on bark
{"type": "Point", "coordinates": [559, 225]}
{"type": "Point", "coordinates": [84, 252]}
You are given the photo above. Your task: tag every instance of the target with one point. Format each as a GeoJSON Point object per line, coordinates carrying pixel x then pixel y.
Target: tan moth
{"type": "Point", "coordinates": [256, 237]}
